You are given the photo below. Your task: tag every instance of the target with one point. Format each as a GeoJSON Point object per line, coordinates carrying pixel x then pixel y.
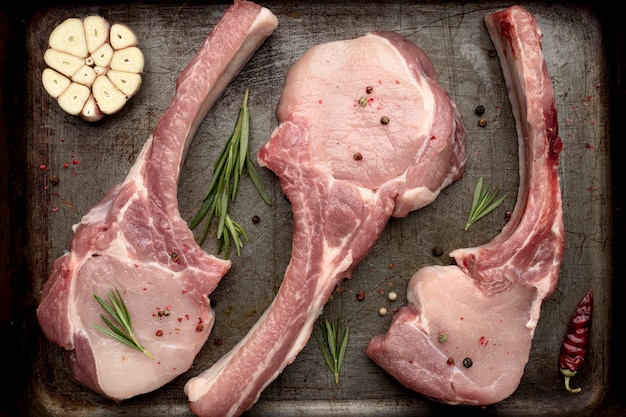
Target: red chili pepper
{"type": "Point", "coordinates": [576, 343]}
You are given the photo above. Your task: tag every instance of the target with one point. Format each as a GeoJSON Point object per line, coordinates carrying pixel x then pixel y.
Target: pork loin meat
{"type": "Point", "coordinates": [365, 132]}
{"type": "Point", "coordinates": [135, 240]}
{"type": "Point", "coordinates": [488, 306]}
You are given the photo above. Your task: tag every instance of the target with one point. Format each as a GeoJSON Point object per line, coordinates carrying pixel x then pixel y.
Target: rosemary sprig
{"type": "Point", "coordinates": [122, 329]}
{"type": "Point", "coordinates": [483, 203]}
{"type": "Point", "coordinates": [332, 345]}
{"type": "Point", "coordinates": [228, 168]}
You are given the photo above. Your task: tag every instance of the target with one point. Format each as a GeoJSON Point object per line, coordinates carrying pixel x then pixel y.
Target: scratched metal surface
{"type": "Point", "coordinates": [90, 158]}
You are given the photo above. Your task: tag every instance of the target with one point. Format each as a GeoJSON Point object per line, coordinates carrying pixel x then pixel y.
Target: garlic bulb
{"type": "Point", "coordinates": [94, 68]}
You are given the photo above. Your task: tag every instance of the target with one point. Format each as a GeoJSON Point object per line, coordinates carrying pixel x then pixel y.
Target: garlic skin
{"type": "Point", "coordinates": [94, 67]}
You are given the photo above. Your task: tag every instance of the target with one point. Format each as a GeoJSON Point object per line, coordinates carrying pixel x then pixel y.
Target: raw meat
{"type": "Point", "coordinates": [136, 241]}
{"type": "Point", "coordinates": [345, 170]}
{"type": "Point", "coordinates": [488, 305]}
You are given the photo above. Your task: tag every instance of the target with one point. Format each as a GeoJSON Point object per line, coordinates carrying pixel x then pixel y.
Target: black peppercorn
{"type": "Point", "coordinates": [467, 362]}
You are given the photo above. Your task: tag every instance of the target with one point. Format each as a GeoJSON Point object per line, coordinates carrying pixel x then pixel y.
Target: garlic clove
{"type": "Point", "coordinates": [108, 97]}
{"type": "Point", "coordinates": [91, 112]}
{"type": "Point", "coordinates": [102, 56]}
{"type": "Point", "coordinates": [101, 70]}
{"type": "Point", "coordinates": [127, 82]}
{"type": "Point", "coordinates": [65, 63]}
{"type": "Point", "coordinates": [96, 32]}
{"type": "Point", "coordinates": [128, 59]}
{"type": "Point", "coordinates": [74, 98]}
{"type": "Point", "coordinates": [122, 36]}
{"type": "Point", "coordinates": [69, 37]}
{"type": "Point", "coordinates": [85, 76]}
{"type": "Point", "coordinates": [54, 83]}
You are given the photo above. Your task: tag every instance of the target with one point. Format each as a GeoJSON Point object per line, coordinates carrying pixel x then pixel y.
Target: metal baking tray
{"type": "Point", "coordinates": [583, 46]}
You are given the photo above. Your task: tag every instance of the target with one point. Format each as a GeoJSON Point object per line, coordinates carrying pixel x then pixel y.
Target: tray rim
{"type": "Point", "coordinates": [610, 403]}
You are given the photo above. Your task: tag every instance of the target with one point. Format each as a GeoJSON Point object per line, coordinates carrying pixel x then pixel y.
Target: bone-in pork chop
{"type": "Point", "coordinates": [135, 240]}
{"type": "Point", "coordinates": [365, 132]}
{"type": "Point", "coordinates": [487, 307]}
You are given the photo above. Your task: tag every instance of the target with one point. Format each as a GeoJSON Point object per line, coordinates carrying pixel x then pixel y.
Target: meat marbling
{"type": "Point", "coordinates": [488, 305]}
{"type": "Point", "coordinates": [136, 241]}
{"type": "Point", "coordinates": [345, 170]}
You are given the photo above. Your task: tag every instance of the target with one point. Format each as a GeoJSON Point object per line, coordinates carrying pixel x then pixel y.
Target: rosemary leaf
{"type": "Point", "coordinates": [121, 311]}
{"type": "Point", "coordinates": [332, 345]}
{"type": "Point", "coordinates": [483, 202]}
{"type": "Point", "coordinates": [115, 331]}
{"type": "Point", "coordinates": [115, 334]}
{"type": "Point", "coordinates": [119, 325]}
{"type": "Point", "coordinates": [235, 231]}
{"type": "Point", "coordinates": [330, 338]}
{"type": "Point", "coordinates": [342, 353]}
{"type": "Point", "coordinates": [221, 212]}
{"type": "Point", "coordinates": [256, 180]}
{"type": "Point", "coordinates": [243, 147]}
{"type": "Point", "coordinates": [227, 171]}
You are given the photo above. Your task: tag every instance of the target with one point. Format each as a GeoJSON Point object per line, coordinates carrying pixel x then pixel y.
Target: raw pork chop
{"type": "Point", "coordinates": [489, 305]}
{"type": "Point", "coordinates": [345, 169]}
{"type": "Point", "coordinates": [136, 241]}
